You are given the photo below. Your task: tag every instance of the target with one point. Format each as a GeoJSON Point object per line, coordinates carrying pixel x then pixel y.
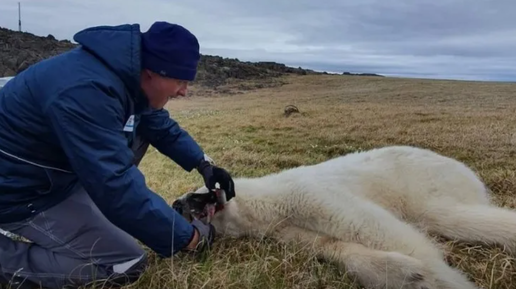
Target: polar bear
{"type": "Point", "coordinates": [369, 212]}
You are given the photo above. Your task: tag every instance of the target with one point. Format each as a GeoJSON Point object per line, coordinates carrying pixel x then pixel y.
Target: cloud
{"type": "Point", "coordinates": [455, 39]}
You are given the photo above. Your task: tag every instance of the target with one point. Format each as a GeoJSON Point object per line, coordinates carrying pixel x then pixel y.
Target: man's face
{"type": "Point", "coordinates": [160, 89]}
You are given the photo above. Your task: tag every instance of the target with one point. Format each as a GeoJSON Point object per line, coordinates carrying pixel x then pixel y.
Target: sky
{"type": "Point", "coordinates": [441, 39]}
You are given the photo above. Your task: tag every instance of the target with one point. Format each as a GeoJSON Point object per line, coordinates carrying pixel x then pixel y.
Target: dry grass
{"type": "Point", "coordinates": [248, 134]}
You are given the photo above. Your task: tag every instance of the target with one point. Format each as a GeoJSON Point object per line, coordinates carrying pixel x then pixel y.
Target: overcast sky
{"type": "Point", "coordinates": [454, 39]}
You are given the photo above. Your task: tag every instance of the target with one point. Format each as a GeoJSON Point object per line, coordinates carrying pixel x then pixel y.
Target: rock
{"type": "Point", "coordinates": [19, 50]}
{"type": "Point", "coordinates": [290, 109]}
{"type": "Point", "coordinates": [361, 74]}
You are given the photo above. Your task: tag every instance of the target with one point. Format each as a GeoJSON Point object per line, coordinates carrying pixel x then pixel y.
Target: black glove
{"type": "Point", "coordinates": [213, 174]}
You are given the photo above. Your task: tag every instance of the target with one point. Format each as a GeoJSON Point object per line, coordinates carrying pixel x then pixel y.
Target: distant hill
{"type": "Point", "coordinates": [19, 50]}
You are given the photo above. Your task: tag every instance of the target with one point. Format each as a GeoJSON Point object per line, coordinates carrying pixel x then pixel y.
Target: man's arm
{"type": "Point", "coordinates": [88, 124]}
{"type": "Point", "coordinates": [170, 139]}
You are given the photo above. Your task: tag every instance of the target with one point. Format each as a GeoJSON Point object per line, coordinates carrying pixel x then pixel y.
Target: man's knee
{"type": "Point", "coordinates": [129, 272]}
{"type": "Point", "coordinates": [123, 274]}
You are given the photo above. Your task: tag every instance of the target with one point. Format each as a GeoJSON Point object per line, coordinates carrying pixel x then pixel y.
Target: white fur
{"type": "Point", "coordinates": [369, 211]}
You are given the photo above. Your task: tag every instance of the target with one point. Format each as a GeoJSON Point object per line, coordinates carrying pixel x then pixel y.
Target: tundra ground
{"type": "Point", "coordinates": [248, 134]}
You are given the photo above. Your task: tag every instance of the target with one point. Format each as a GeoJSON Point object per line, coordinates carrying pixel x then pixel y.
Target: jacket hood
{"type": "Point", "coordinates": [119, 48]}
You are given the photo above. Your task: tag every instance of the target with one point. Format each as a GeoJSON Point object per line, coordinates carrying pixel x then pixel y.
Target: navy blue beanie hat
{"type": "Point", "coordinates": [170, 50]}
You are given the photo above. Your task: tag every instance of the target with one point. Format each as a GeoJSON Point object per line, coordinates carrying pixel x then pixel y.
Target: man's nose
{"type": "Point", "coordinates": [182, 92]}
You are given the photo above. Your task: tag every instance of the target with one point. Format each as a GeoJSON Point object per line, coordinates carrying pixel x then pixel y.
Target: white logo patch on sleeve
{"type": "Point", "coordinates": [129, 125]}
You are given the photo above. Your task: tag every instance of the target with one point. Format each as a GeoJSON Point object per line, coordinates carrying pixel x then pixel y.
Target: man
{"type": "Point", "coordinates": [73, 128]}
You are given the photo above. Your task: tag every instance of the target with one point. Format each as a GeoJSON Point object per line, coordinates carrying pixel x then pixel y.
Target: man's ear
{"type": "Point", "coordinates": [147, 73]}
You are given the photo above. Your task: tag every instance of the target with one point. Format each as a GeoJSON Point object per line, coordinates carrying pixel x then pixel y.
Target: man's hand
{"type": "Point", "coordinates": [213, 174]}
{"type": "Point", "coordinates": [204, 235]}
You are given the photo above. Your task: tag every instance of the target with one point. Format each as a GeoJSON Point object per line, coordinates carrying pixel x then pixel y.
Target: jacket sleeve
{"type": "Point", "coordinates": [170, 139]}
{"type": "Point", "coordinates": [89, 126]}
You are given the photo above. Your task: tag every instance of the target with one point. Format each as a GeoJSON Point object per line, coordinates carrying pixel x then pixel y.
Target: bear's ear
{"type": "Point", "coordinates": [178, 206]}
{"type": "Point", "coordinates": [181, 206]}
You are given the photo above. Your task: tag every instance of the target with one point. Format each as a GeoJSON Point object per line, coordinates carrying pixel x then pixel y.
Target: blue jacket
{"type": "Point", "coordinates": [62, 125]}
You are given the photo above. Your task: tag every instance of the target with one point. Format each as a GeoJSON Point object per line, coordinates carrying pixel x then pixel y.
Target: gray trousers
{"type": "Point", "coordinates": [72, 245]}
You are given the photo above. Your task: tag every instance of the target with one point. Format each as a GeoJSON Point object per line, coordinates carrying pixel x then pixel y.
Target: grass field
{"type": "Point", "coordinates": [247, 134]}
